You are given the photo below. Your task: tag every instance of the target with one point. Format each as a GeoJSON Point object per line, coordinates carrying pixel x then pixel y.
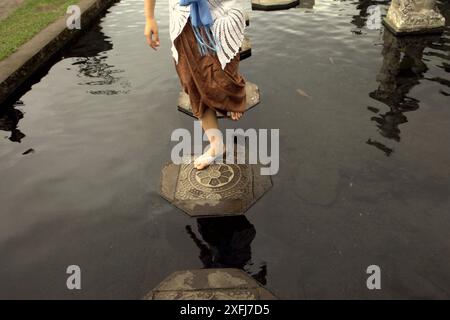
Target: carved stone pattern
{"type": "Point", "coordinates": [218, 181]}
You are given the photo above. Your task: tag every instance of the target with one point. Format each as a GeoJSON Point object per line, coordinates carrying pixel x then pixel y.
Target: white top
{"type": "Point", "coordinates": [228, 27]}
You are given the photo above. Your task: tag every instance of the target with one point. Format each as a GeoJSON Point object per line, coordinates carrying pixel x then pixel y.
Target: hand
{"type": "Point", "coordinates": [151, 33]}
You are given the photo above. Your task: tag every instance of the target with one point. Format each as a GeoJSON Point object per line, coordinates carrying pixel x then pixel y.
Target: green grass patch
{"type": "Point", "coordinates": [27, 20]}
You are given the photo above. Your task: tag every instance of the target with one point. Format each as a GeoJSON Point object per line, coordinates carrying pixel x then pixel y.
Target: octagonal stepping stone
{"type": "Point", "coordinates": [269, 5]}
{"type": "Point", "coordinates": [222, 189]}
{"type": "Point", "coordinates": [210, 284]}
{"type": "Point", "coordinates": [246, 49]}
{"type": "Point", "coordinates": [252, 92]}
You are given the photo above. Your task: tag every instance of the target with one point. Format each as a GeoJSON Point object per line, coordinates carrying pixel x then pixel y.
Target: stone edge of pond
{"type": "Point", "coordinates": [35, 53]}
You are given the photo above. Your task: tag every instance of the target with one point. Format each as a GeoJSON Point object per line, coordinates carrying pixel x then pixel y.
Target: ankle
{"type": "Point", "coordinates": [217, 147]}
{"type": "Point", "coordinates": [216, 142]}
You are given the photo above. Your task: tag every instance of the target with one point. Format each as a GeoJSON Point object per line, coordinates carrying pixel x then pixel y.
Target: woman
{"type": "Point", "coordinates": [206, 36]}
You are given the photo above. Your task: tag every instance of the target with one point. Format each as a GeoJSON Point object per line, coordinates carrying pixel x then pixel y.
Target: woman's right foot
{"type": "Point", "coordinates": [236, 115]}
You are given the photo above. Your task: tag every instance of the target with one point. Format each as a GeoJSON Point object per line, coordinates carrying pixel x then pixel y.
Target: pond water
{"type": "Point", "coordinates": [364, 166]}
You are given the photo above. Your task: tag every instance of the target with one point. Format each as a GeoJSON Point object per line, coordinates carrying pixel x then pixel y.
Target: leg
{"type": "Point", "coordinates": [211, 127]}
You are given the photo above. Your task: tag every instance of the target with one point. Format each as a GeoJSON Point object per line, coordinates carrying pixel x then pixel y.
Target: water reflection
{"type": "Point", "coordinates": [9, 120]}
{"type": "Point", "coordinates": [360, 20]}
{"type": "Point", "coordinates": [227, 244]}
{"type": "Point", "coordinates": [90, 56]}
{"type": "Point", "coordinates": [307, 4]}
{"type": "Point", "coordinates": [402, 69]}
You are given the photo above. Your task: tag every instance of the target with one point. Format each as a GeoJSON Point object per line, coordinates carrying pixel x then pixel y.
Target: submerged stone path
{"type": "Point", "coordinates": [210, 284]}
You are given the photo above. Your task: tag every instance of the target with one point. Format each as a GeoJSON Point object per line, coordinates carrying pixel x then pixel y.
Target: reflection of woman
{"type": "Point", "coordinates": [206, 36]}
{"type": "Point", "coordinates": [227, 244]}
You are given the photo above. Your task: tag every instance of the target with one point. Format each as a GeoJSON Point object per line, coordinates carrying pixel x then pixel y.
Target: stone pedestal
{"type": "Point", "coordinates": [252, 92]}
{"type": "Point", "coordinates": [269, 5]}
{"type": "Point", "coordinates": [414, 16]}
{"type": "Point", "coordinates": [209, 284]}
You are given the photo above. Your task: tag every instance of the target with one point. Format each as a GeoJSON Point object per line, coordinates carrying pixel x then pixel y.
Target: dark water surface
{"type": "Point", "coordinates": [364, 169]}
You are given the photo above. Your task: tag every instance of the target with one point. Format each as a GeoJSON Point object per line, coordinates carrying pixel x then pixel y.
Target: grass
{"type": "Point", "coordinates": [27, 20]}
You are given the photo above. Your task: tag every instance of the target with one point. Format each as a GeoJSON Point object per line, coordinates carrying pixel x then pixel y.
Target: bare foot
{"type": "Point", "coordinates": [236, 115]}
{"type": "Point", "coordinates": [216, 150]}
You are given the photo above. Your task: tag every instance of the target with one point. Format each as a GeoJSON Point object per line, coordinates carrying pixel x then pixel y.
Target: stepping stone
{"type": "Point", "coordinates": [221, 189]}
{"type": "Point", "coordinates": [247, 18]}
{"type": "Point", "coordinates": [269, 5]}
{"type": "Point", "coordinates": [246, 49]}
{"type": "Point", "coordinates": [210, 284]}
{"type": "Point", "coordinates": [253, 98]}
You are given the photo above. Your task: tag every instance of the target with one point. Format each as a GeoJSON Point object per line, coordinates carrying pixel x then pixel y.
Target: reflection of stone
{"type": "Point", "coordinates": [252, 92]}
{"type": "Point", "coordinates": [227, 244]}
{"type": "Point", "coordinates": [269, 5]}
{"type": "Point", "coordinates": [414, 16]}
{"type": "Point", "coordinates": [402, 69]}
{"type": "Point", "coordinates": [219, 190]}
{"type": "Point", "coordinates": [246, 49]}
{"type": "Point", "coordinates": [369, 16]}
{"type": "Point", "coordinates": [307, 4]}
{"type": "Point", "coordinates": [209, 284]}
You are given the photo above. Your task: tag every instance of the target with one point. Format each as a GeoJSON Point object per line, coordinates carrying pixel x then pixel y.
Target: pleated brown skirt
{"type": "Point", "coordinates": [204, 80]}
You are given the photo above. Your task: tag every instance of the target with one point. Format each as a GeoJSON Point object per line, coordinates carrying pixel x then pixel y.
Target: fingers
{"type": "Point", "coordinates": [149, 39]}
{"type": "Point", "coordinates": [155, 41]}
{"type": "Point", "coordinates": [152, 38]}
{"type": "Point", "coordinates": [156, 34]}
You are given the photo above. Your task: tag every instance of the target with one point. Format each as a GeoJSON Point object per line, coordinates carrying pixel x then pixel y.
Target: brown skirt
{"type": "Point", "coordinates": [204, 80]}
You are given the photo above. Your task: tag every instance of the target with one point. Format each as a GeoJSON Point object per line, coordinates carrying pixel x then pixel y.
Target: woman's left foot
{"type": "Point", "coordinates": [236, 115]}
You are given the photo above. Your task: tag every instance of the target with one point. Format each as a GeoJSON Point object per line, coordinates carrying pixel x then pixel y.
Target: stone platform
{"type": "Point", "coordinates": [253, 98]}
{"type": "Point", "coordinates": [219, 190]}
{"type": "Point", "coordinates": [246, 49]}
{"type": "Point", "coordinates": [270, 5]}
{"type": "Point", "coordinates": [210, 284]}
